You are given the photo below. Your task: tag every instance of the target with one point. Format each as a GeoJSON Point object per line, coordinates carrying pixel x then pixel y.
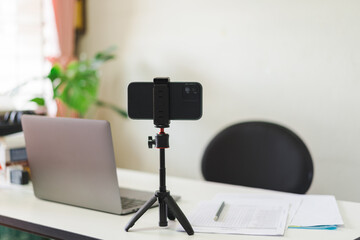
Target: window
{"type": "Point", "coordinates": [27, 36]}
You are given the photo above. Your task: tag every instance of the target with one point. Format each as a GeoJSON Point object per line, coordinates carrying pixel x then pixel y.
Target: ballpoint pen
{"type": "Point", "coordinates": [217, 215]}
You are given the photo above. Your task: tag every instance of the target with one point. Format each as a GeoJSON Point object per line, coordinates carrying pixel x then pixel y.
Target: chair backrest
{"type": "Point", "coordinates": [259, 154]}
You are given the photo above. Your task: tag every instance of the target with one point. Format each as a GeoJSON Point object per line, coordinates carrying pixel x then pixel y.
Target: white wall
{"type": "Point", "coordinates": [296, 63]}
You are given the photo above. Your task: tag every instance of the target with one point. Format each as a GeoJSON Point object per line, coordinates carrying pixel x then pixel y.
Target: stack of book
{"type": "Point", "coordinates": [12, 155]}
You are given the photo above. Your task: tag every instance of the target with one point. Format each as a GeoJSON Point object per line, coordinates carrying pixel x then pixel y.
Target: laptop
{"type": "Point", "coordinates": [72, 162]}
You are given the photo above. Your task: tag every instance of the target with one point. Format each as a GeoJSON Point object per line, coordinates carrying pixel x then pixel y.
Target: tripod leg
{"type": "Point", "coordinates": [162, 213]}
{"type": "Point", "coordinates": [141, 211]}
{"type": "Point", "coordinates": [175, 209]}
{"type": "Point", "coordinates": [170, 214]}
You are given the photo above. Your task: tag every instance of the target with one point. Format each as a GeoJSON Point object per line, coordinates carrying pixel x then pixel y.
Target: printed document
{"type": "Point", "coordinates": [245, 216]}
{"type": "Point", "coordinates": [293, 199]}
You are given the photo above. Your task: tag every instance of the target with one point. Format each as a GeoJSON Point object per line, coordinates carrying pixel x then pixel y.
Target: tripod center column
{"type": "Point", "coordinates": [162, 170]}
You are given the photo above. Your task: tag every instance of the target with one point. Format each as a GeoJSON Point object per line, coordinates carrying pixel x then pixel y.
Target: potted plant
{"type": "Point", "coordinates": [76, 85]}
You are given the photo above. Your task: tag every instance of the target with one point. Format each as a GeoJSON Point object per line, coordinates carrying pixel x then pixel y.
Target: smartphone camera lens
{"type": "Point", "coordinates": [191, 92]}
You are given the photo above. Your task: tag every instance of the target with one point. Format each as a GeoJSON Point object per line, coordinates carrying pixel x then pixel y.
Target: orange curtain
{"type": "Point", "coordinates": [64, 11]}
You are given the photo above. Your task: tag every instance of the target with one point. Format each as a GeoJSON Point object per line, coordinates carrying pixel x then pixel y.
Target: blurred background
{"type": "Point", "coordinates": [295, 63]}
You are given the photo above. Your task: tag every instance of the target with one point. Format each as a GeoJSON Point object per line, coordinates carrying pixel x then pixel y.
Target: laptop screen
{"type": "Point", "coordinates": [72, 161]}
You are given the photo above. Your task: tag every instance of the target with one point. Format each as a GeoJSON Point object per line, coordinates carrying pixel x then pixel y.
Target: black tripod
{"type": "Point", "coordinates": [167, 205]}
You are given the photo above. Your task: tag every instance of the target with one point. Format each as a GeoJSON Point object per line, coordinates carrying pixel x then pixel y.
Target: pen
{"type": "Point", "coordinates": [217, 215]}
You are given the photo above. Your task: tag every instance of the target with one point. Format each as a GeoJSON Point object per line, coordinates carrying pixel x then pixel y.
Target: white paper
{"type": "Point", "coordinates": [293, 199]}
{"type": "Point", "coordinates": [245, 216]}
{"type": "Point", "coordinates": [317, 210]}
{"type": "Point", "coordinates": [305, 210]}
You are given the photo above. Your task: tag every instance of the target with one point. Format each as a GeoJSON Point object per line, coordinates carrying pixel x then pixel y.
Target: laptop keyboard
{"type": "Point", "coordinates": [131, 202]}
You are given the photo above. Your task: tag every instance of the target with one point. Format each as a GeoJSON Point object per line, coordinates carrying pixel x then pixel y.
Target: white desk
{"type": "Point", "coordinates": [20, 208]}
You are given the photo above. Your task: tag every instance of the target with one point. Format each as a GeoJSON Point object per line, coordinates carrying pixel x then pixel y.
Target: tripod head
{"type": "Point", "coordinates": [161, 140]}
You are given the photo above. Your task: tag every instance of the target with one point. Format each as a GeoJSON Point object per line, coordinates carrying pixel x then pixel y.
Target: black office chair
{"type": "Point", "coordinates": [259, 154]}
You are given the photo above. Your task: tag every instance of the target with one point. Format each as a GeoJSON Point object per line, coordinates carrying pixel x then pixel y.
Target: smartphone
{"type": "Point", "coordinates": [185, 100]}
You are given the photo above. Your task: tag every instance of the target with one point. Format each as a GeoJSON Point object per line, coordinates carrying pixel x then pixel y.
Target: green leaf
{"type": "Point", "coordinates": [121, 112]}
{"type": "Point", "coordinates": [105, 55]}
{"type": "Point", "coordinates": [78, 97]}
{"type": "Point", "coordinates": [118, 110]}
{"type": "Point", "coordinates": [38, 101]}
{"type": "Point", "coordinates": [55, 72]}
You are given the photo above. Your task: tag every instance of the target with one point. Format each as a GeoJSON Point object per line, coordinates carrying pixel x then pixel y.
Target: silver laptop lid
{"type": "Point", "coordinates": [72, 161]}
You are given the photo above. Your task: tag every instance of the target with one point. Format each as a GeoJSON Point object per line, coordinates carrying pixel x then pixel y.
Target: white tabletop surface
{"type": "Point", "coordinates": [20, 203]}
